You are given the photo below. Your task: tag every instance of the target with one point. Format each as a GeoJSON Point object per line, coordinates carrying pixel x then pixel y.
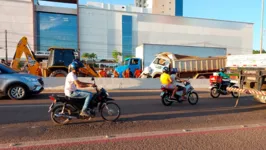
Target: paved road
{"type": "Point", "coordinates": [142, 112]}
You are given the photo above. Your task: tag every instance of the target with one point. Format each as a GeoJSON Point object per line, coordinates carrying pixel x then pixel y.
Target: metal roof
{"type": "Point", "coordinates": [62, 1]}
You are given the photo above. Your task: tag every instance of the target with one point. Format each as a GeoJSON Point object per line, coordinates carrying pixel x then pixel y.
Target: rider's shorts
{"type": "Point", "coordinates": [180, 85]}
{"type": "Point", "coordinates": [169, 86]}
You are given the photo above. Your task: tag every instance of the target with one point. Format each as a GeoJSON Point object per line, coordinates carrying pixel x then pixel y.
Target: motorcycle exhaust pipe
{"type": "Point", "coordinates": [66, 116]}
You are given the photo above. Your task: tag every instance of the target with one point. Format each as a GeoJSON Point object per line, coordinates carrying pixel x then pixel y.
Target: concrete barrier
{"type": "Point", "coordinates": [120, 83]}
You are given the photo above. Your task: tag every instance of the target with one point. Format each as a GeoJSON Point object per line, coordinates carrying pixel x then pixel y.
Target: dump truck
{"type": "Point", "coordinates": [186, 55]}
{"type": "Point", "coordinates": [56, 65]}
{"type": "Point", "coordinates": [188, 66]}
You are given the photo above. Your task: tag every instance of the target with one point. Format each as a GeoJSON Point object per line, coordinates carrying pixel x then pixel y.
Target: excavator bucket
{"type": "Point", "coordinates": [89, 71]}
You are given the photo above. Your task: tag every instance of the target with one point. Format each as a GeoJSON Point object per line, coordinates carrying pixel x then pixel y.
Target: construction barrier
{"type": "Point", "coordinates": [247, 91]}
{"type": "Point", "coordinates": [120, 83]}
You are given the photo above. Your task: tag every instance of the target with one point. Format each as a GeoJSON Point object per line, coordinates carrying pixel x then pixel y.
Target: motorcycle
{"type": "Point", "coordinates": [64, 108]}
{"type": "Point", "coordinates": [217, 87]}
{"type": "Point", "coordinates": [191, 95]}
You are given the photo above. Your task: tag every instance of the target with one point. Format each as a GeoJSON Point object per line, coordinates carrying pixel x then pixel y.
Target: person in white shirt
{"type": "Point", "coordinates": [72, 83]}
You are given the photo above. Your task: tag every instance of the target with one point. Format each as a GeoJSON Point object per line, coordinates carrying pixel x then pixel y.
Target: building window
{"type": "Point", "coordinates": [56, 30]}
{"type": "Point", "coordinates": [127, 47]}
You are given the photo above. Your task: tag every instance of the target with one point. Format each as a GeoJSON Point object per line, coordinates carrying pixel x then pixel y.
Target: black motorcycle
{"type": "Point", "coordinates": [64, 108]}
{"type": "Point", "coordinates": [218, 88]}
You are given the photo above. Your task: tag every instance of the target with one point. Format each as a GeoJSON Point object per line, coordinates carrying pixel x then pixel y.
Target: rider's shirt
{"type": "Point", "coordinates": [223, 75]}
{"type": "Point", "coordinates": [69, 84]}
{"type": "Point", "coordinates": [165, 79]}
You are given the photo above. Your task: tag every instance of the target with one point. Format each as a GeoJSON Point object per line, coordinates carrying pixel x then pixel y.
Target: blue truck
{"type": "Point", "coordinates": [131, 63]}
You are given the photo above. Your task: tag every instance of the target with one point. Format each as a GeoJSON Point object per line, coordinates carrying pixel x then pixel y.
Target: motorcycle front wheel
{"type": "Point", "coordinates": [193, 98]}
{"type": "Point", "coordinates": [215, 92]}
{"type": "Point", "coordinates": [110, 109]}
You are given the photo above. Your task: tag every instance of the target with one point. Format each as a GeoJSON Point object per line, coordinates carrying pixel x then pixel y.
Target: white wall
{"type": "Point", "coordinates": [101, 32]}
{"type": "Point", "coordinates": [17, 18]}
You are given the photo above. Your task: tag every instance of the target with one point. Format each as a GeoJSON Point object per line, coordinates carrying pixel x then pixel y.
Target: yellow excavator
{"type": "Point", "coordinates": [56, 66]}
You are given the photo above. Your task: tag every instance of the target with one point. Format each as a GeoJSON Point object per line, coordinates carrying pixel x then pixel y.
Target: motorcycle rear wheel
{"type": "Point", "coordinates": [215, 92]}
{"type": "Point", "coordinates": [107, 106]}
{"type": "Point", "coordinates": [57, 110]}
{"type": "Point", "coordinates": [165, 99]}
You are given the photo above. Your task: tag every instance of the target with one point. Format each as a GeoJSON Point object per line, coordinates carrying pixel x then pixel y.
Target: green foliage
{"type": "Point", "coordinates": [258, 51]}
{"type": "Point", "coordinates": [89, 56]}
{"type": "Point", "coordinates": [115, 55]}
{"type": "Point", "coordinates": [128, 56]}
{"type": "Point", "coordinates": [85, 56]}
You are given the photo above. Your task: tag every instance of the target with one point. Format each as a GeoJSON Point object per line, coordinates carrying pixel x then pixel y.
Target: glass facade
{"type": "Point", "coordinates": [56, 30]}
{"type": "Point", "coordinates": [178, 7]}
{"type": "Point", "coordinates": [127, 47]}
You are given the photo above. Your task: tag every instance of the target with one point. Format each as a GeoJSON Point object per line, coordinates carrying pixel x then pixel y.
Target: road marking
{"type": "Point", "coordinates": [129, 136]}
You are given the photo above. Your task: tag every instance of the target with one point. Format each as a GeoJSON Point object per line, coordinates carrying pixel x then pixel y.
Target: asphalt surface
{"type": "Point", "coordinates": [28, 120]}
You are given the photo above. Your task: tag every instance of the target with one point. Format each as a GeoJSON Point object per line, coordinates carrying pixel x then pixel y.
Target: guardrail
{"type": "Point", "coordinates": [120, 83]}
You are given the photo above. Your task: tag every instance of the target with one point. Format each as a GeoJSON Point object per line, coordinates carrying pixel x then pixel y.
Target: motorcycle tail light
{"type": "Point", "coordinates": [52, 98]}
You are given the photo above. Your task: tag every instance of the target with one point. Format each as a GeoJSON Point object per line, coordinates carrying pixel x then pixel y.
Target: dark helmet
{"type": "Point", "coordinates": [174, 71]}
{"type": "Point", "coordinates": [81, 65]}
{"type": "Point", "coordinates": [165, 69]}
{"type": "Point", "coordinates": [75, 65]}
{"type": "Point", "coordinates": [221, 69]}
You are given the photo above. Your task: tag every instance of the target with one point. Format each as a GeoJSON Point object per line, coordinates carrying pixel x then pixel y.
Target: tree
{"type": "Point", "coordinates": [93, 55]}
{"type": "Point", "coordinates": [85, 56]}
{"type": "Point", "coordinates": [258, 51]}
{"type": "Point", "coordinates": [115, 55]}
{"type": "Point", "coordinates": [128, 56]}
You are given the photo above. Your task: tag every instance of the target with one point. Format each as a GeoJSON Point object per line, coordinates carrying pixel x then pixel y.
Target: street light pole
{"type": "Point", "coordinates": [261, 32]}
{"type": "Point", "coordinates": [6, 45]}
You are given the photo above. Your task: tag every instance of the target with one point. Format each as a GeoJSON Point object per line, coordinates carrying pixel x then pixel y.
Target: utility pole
{"type": "Point", "coordinates": [261, 30]}
{"type": "Point", "coordinates": [6, 45]}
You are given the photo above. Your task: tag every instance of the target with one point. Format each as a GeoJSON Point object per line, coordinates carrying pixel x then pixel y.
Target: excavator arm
{"type": "Point", "coordinates": [89, 71]}
{"type": "Point", "coordinates": [23, 47]}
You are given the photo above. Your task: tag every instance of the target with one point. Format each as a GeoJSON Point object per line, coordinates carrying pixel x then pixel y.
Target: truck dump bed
{"type": "Point", "coordinates": [196, 64]}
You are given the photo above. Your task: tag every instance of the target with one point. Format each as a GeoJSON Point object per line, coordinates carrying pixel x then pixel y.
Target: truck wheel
{"type": "Point", "coordinates": [202, 77]}
{"type": "Point", "coordinates": [58, 73]}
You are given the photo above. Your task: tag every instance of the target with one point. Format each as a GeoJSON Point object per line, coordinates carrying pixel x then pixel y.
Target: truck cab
{"type": "Point", "coordinates": [157, 65]}
{"type": "Point", "coordinates": [131, 63]}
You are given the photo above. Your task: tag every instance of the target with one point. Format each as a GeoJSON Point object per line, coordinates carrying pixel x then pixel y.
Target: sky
{"type": "Point", "coordinates": [233, 10]}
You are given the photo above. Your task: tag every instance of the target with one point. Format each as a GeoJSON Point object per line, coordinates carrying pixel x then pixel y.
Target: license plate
{"type": "Point", "coordinates": [162, 94]}
{"type": "Point", "coordinates": [50, 108]}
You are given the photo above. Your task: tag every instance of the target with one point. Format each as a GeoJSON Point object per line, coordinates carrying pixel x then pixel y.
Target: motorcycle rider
{"type": "Point", "coordinates": [167, 81]}
{"type": "Point", "coordinates": [178, 82]}
{"type": "Point", "coordinates": [72, 83]}
{"type": "Point", "coordinates": [223, 75]}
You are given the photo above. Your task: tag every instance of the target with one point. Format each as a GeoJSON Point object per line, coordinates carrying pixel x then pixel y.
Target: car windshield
{"type": "Point", "coordinates": [6, 69]}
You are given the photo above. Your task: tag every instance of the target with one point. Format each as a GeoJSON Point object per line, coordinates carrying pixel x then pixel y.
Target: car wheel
{"type": "Point", "coordinates": [17, 92]}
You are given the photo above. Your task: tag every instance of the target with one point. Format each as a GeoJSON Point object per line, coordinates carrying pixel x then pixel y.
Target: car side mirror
{"type": "Point", "coordinates": [92, 79]}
